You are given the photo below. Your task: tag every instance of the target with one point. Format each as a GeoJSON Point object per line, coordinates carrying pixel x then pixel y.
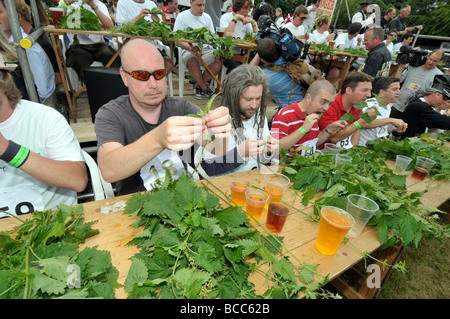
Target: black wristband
{"type": "Point", "coordinates": [10, 152]}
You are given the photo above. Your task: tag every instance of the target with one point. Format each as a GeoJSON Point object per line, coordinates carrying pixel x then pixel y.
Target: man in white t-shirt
{"type": "Point", "coordinates": [130, 11]}
{"type": "Point", "coordinates": [196, 18]}
{"type": "Point", "coordinates": [349, 40]}
{"type": "Point", "coordinates": [296, 25]}
{"type": "Point", "coordinates": [388, 90]}
{"type": "Point", "coordinates": [87, 48]}
{"type": "Point", "coordinates": [41, 164]}
{"type": "Point", "coordinates": [312, 14]}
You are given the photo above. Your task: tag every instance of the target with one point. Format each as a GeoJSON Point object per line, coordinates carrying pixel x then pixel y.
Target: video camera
{"type": "Point", "coordinates": [289, 47]}
{"type": "Point", "coordinates": [407, 54]}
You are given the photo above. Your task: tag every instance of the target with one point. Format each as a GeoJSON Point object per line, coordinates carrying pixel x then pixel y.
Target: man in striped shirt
{"type": "Point", "coordinates": [296, 125]}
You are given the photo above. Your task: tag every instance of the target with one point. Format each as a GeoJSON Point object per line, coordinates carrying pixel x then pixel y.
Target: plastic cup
{"type": "Point", "coordinates": [331, 44]}
{"type": "Point", "coordinates": [334, 225]}
{"type": "Point", "coordinates": [238, 188]}
{"type": "Point", "coordinates": [275, 186]}
{"type": "Point", "coordinates": [401, 163]}
{"type": "Point", "coordinates": [341, 159]}
{"type": "Point", "coordinates": [56, 13]}
{"type": "Point", "coordinates": [423, 167]}
{"type": "Point", "coordinates": [220, 31]}
{"type": "Point", "coordinates": [255, 200]}
{"type": "Point", "coordinates": [230, 35]}
{"type": "Point", "coordinates": [331, 149]}
{"type": "Point", "coordinates": [277, 214]}
{"type": "Point", "coordinates": [362, 209]}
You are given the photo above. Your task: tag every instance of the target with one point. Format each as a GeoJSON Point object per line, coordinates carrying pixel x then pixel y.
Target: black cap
{"type": "Point", "coordinates": [442, 82]}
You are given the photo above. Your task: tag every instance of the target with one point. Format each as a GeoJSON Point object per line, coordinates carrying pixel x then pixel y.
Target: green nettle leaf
{"type": "Point", "coordinates": [137, 274]}
{"type": "Point", "coordinates": [307, 273]}
{"type": "Point", "coordinates": [347, 117]}
{"type": "Point", "coordinates": [408, 227]}
{"type": "Point", "coordinates": [365, 117]}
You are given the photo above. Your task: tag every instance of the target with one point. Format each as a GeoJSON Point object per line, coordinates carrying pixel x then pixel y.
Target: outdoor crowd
{"type": "Point", "coordinates": [145, 133]}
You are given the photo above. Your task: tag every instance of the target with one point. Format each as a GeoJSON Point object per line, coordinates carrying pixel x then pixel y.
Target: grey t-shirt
{"type": "Point", "coordinates": [117, 121]}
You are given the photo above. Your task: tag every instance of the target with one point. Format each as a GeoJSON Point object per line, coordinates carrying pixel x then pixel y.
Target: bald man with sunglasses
{"type": "Point", "coordinates": [140, 135]}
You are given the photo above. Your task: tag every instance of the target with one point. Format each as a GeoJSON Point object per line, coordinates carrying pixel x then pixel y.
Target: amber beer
{"type": "Point", "coordinates": [238, 188]}
{"type": "Point", "coordinates": [419, 173]}
{"type": "Point", "coordinates": [334, 225]}
{"type": "Point", "coordinates": [255, 200]}
{"type": "Point", "coordinates": [276, 217]}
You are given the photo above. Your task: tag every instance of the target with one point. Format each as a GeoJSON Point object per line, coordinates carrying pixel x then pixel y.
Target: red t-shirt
{"type": "Point", "coordinates": [288, 120]}
{"type": "Point", "coordinates": [335, 112]}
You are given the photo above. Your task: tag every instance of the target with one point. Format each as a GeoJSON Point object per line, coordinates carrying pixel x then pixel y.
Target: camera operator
{"type": "Point", "coordinates": [415, 76]}
{"type": "Point", "coordinates": [275, 48]}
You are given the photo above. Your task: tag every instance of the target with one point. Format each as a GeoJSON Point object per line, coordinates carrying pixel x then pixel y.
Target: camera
{"type": "Point", "coordinates": [289, 47]}
{"type": "Point", "coordinates": [407, 54]}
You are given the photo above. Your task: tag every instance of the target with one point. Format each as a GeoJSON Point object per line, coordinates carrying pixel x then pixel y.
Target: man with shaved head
{"type": "Point", "coordinates": [139, 135]}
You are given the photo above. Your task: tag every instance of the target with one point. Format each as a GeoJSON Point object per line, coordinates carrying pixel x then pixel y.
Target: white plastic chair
{"type": "Point", "coordinates": [169, 76]}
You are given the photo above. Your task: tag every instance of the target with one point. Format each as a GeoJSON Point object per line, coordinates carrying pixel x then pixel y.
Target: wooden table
{"type": "Point", "coordinates": [300, 233]}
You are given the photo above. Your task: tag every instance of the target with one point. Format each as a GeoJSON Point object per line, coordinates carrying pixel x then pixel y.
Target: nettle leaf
{"type": "Point", "coordinates": [307, 273]}
{"type": "Point", "coordinates": [366, 117]}
{"type": "Point", "coordinates": [136, 275]}
{"type": "Point", "coordinates": [347, 117]}
{"type": "Point", "coordinates": [408, 227]}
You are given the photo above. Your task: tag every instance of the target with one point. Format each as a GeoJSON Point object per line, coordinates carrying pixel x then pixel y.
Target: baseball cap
{"type": "Point", "coordinates": [442, 82]}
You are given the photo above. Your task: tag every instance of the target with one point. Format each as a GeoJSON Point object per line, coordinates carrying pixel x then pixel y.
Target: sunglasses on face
{"type": "Point", "coordinates": [444, 97]}
{"type": "Point", "coordinates": [145, 75]}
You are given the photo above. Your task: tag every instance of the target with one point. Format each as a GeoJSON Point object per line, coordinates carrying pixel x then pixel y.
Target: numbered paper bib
{"type": "Point", "coordinates": [345, 143]}
{"type": "Point", "coordinates": [156, 168]}
{"type": "Point", "coordinates": [312, 144]}
{"type": "Point", "coordinates": [19, 200]}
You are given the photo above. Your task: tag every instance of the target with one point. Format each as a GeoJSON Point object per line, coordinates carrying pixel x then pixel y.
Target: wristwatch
{"type": "Point", "coordinates": [93, 8]}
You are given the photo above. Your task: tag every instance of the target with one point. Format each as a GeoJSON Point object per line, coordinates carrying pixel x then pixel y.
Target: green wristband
{"type": "Point", "coordinates": [21, 157]}
{"type": "Point", "coordinates": [358, 126]}
{"type": "Point", "coordinates": [301, 129]}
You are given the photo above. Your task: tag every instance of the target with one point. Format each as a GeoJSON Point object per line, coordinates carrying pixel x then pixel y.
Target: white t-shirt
{"type": "Point", "coordinates": [374, 133]}
{"type": "Point", "coordinates": [186, 19]}
{"type": "Point", "coordinates": [240, 30]}
{"type": "Point", "coordinates": [127, 10]}
{"type": "Point", "coordinates": [309, 22]}
{"type": "Point", "coordinates": [45, 132]}
{"type": "Point", "coordinates": [317, 37]}
{"type": "Point", "coordinates": [348, 44]}
{"type": "Point", "coordinates": [87, 38]}
{"type": "Point", "coordinates": [296, 31]}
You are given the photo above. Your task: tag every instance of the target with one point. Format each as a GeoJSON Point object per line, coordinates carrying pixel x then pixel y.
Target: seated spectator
{"type": "Point", "coordinates": [81, 53]}
{"type": "Point", "coordinates": [41, 164]}
{"type": "Point", "coordinates": [130, 11]}
{"type": "Point", "coordinates": [414, 78]}
{"type": "Point", "coordinates": [245, 94]}
{"type": "Point", "coordinates": [356, 89]}
{"type": "Point", "coordinates": [388, 42]}
{"type": "Point", "coordinates": [378, 61]}
{"type": "Point", "coordinates": [140, 134]}
{"type": "Point", "coordinates": [196, 18]}
{"type": "Point", "coordinates": [424, 107]}
{"type": "Point", "coordinates": [385, 20]}
{"type": "Point", "coordinates": [279, 17]}
{"type": "Point", "coordinates": [407, 38]}
{"type": "Point", "coordinates": [171, 9]}
{"type": "Point", "coordinates": [263, 8]}
{"type": "Point", "coordinates": [296, 24]}
{"type": "Point", "coordinates": [321, 34]}
{"type": "Point", "coordinates": [350, 39]}
{"type": "Point", "coordinates": [239, 24]}
{"type": "Point", "coordinates": [388, 90]}
{"type": "Point", "coordinates": [27, 25]}
{"type": "Point", "coordinates": [41, 68]}
{"type": "Point", "coordinates": [283, 89]}
{"type": "Point", "coordinates": [297, 125]}
{"type": "Point", "coordinates": [10, 61]}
